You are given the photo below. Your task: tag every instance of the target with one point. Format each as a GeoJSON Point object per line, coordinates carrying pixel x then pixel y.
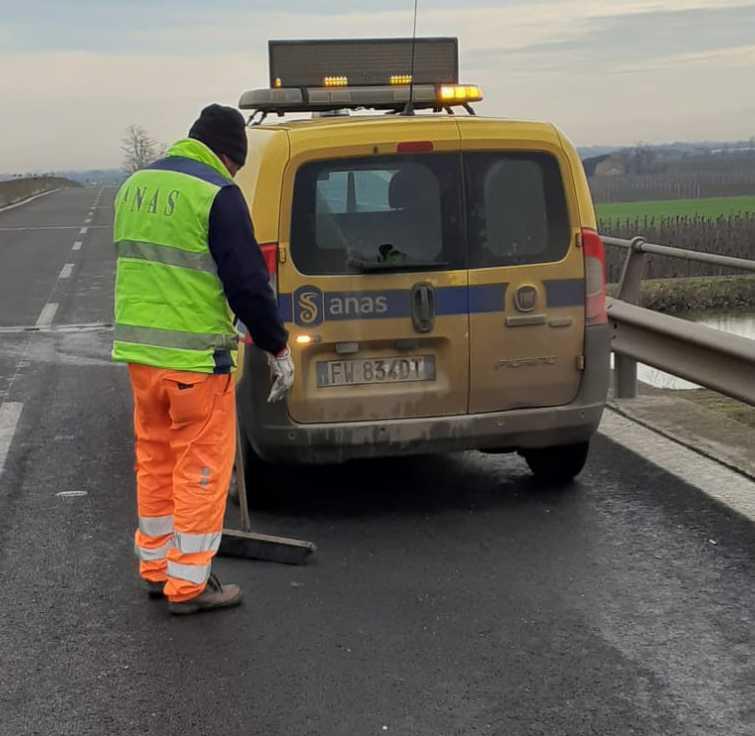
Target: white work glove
{"type": "Point", "coordinates": [283, 372]}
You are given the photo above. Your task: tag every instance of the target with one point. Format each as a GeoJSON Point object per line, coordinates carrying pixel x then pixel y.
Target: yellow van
{"type": "Point", "coordinates": [440, 275]}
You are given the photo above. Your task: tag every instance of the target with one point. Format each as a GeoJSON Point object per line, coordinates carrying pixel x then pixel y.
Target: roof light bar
{"type": "Point", "coordinates": [450, 93]}
{"type": "Point", "coordinates": [339, 97]}
{"type": "Point", "coordinates": [335, 81]}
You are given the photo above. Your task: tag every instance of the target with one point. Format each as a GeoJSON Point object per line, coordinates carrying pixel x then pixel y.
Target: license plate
{"type": "Point", "coordinates": [375, 370]}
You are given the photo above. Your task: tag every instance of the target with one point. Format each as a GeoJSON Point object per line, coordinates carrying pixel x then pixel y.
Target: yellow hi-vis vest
{"type": "Point", "coordinates": [170, 309]}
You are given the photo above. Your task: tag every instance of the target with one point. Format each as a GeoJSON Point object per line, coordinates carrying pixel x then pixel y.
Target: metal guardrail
{"type": "Point", "coordinates": [706, 356]}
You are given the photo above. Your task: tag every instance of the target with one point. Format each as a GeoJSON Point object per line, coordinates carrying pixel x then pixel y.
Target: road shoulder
{"type": "Point", "coordinates": [701, 447]}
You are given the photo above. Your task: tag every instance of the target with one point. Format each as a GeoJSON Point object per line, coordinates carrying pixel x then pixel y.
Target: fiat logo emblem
{"type": "Point", "coordinates": [525, 298]}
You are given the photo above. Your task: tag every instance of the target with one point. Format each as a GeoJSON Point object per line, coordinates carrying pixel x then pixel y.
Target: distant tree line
{"type": "Point", "coordinates": [692, 185]}
{"type": "Point", "coordinates": [650, 173]}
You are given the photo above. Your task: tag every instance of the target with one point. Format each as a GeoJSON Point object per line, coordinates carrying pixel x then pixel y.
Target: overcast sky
{"type": "Point", "coordinates": [73, 75]}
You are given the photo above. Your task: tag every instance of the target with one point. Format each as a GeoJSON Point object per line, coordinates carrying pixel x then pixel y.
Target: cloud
{"type": "Point", "coordinates": [581, 63]}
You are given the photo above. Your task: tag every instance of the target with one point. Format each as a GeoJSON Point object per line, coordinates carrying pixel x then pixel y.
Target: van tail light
{"type": "Point", "coordinates": [595, 278]}
{"type": "Point", "coordinates": [270, 256]}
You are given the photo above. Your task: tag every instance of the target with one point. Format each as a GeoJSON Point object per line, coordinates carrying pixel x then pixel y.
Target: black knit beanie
{"type": "Point", "coordinates": [223, 130]}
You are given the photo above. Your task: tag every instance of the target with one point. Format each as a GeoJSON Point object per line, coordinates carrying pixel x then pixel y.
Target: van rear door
{"type": "Point", "coordinates": [527, 327]}
{"type": "Point", "coordinates": [374, 282]}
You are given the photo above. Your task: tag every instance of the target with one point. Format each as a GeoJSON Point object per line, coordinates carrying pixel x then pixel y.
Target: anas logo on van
{"type": "Point", "coordinates": [311, 306]}
{"type": "Point", "coordinates": [308, 306]}
{"type": "Point", "coordinates": [356, 306]}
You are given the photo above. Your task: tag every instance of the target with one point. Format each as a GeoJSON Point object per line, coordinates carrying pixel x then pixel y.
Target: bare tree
{"type": "Point", "coordinates": [139, 149]}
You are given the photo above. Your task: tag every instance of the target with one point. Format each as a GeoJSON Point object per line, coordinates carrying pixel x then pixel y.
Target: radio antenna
{"type": "Point", "coordinates": [409, 109]}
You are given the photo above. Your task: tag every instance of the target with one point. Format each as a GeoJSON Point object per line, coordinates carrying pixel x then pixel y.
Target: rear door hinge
{"type": "Point", "coordinates": [282, 255]}
{"type": "Point", "coordinates": [580, 362]}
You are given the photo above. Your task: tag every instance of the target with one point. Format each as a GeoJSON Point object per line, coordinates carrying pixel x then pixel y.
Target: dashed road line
{"type": "Point", "coordinates": [80, 327]}
{"type": "Point", "coordinates": [47, 314]}
{"type": "Point", "coordinates": [83, 231]}
{"type": "Point", "coordinates": [66, 271]}
{"type": "Point", "coordinates": [77, 245]}
{"type": "Point", "coordinates": [10, 413]}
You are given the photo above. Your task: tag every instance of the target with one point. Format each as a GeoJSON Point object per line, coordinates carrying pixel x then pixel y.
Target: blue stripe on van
{"type": "Point", "coordinates": [451, 300]}
{"type": "Point", "coordinates": [285, 307]}
{"type": "Point", "coordinates": [309, 306]}
{"type": "Point", "coordinates": [485, 298]}
{"type": "Point", "coordinates": [564, 292]}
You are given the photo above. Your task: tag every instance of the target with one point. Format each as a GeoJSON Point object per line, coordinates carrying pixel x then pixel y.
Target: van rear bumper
{"type": "Point", "coordinates": [501, 431]}
{"type": "Point", "coordinates": [276, 438]}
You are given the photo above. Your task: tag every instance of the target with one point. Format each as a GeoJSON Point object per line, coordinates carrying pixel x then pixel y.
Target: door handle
{"type": "Point", "coordinates": [423, 307]}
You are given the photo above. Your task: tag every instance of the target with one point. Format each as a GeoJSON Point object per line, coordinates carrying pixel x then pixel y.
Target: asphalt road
{"type": "Point", "coordinates": [450, 595]}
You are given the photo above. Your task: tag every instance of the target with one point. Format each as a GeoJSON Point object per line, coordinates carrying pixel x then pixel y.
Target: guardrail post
{"type": "Point", "coordinates": [625, 370]}
{"type": "Point", "coordinates": [630, 284]}
{"type": "Point", "coordinates": [630, 287]}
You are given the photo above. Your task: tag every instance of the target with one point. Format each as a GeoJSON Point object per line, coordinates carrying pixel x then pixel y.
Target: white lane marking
{"type": "Point", "coordinates": [26, 201]}
{"type": "Point", "coordinates": [83, 231]}
{"type": "Point", "coordinates": [80, 327]}
{"type": "Point", "coordinates": [47, 315]}
{"type": "Point", "coordinates": [65, 272]}
{"type": "Point", "coordinates": [77, 245]}
{"type": "Point", "coordinates": [71, 494]}
{"type": "Point", "coordinates": [88, 220]}
{"type": "Point", "coordinates": [10, 413]}
{"type": "Point", "coordinates": [712, 478]}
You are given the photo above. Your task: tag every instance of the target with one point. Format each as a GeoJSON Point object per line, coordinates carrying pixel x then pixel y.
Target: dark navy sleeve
{"type": "Point", "coordinates": [242, 270]}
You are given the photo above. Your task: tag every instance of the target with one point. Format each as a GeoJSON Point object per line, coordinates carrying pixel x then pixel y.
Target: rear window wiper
{"type": "Point", "coordinates": [382, 266]}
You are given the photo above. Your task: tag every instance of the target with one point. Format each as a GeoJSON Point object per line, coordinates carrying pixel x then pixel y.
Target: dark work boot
{"type": "Point", "coordinates": [154, 589]}
{"type": "Point", "coordinates": [214, 596]}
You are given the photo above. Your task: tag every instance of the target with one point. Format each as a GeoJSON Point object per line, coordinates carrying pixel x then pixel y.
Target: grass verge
{"type": "Point", "coordinates": [709, 207]}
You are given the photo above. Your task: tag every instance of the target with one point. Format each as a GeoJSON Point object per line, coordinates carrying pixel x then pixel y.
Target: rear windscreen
{"type": "Point", "coordinates": [376, 214]}
{"type": "Point", "coordinates": [516, 209]}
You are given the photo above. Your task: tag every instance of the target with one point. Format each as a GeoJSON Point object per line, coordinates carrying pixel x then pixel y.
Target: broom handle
{"type": "Point", "coordinates": [246, 522]}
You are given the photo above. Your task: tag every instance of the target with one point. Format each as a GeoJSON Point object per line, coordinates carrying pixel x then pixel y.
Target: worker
{"type": "Point", "coordinates": [187, 259]}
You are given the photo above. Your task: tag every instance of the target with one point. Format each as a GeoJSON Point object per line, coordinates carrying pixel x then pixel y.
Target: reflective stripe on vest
{"type": "Point", "coordinates": [166, 255]}
{"type": "Point", "coordinates": [197, 574]}
{"type": "Point", "coordinates": [191, 543]}
{"type": "Point", "coordinates": [156, 526]}
{"type": "Point", "coordinates": [173, 338]}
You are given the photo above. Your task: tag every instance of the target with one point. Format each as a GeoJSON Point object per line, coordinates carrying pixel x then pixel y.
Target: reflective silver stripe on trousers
{"type": "Point", "coordinates": [190, 543]}
{"type": "Point", "coordinates": [154, 554]}
{"type": "Point", "coordinates": [174, 338]}
{"type": "Point", "coordinates": [156, 526]}
{"type": "Point", "coordinates": [166, 255]}
{"type": "Point", "coordinates": [196, 574]}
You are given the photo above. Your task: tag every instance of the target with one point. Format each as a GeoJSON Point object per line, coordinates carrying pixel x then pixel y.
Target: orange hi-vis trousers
{"type": "Point", "coordinates": [185, 426]}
